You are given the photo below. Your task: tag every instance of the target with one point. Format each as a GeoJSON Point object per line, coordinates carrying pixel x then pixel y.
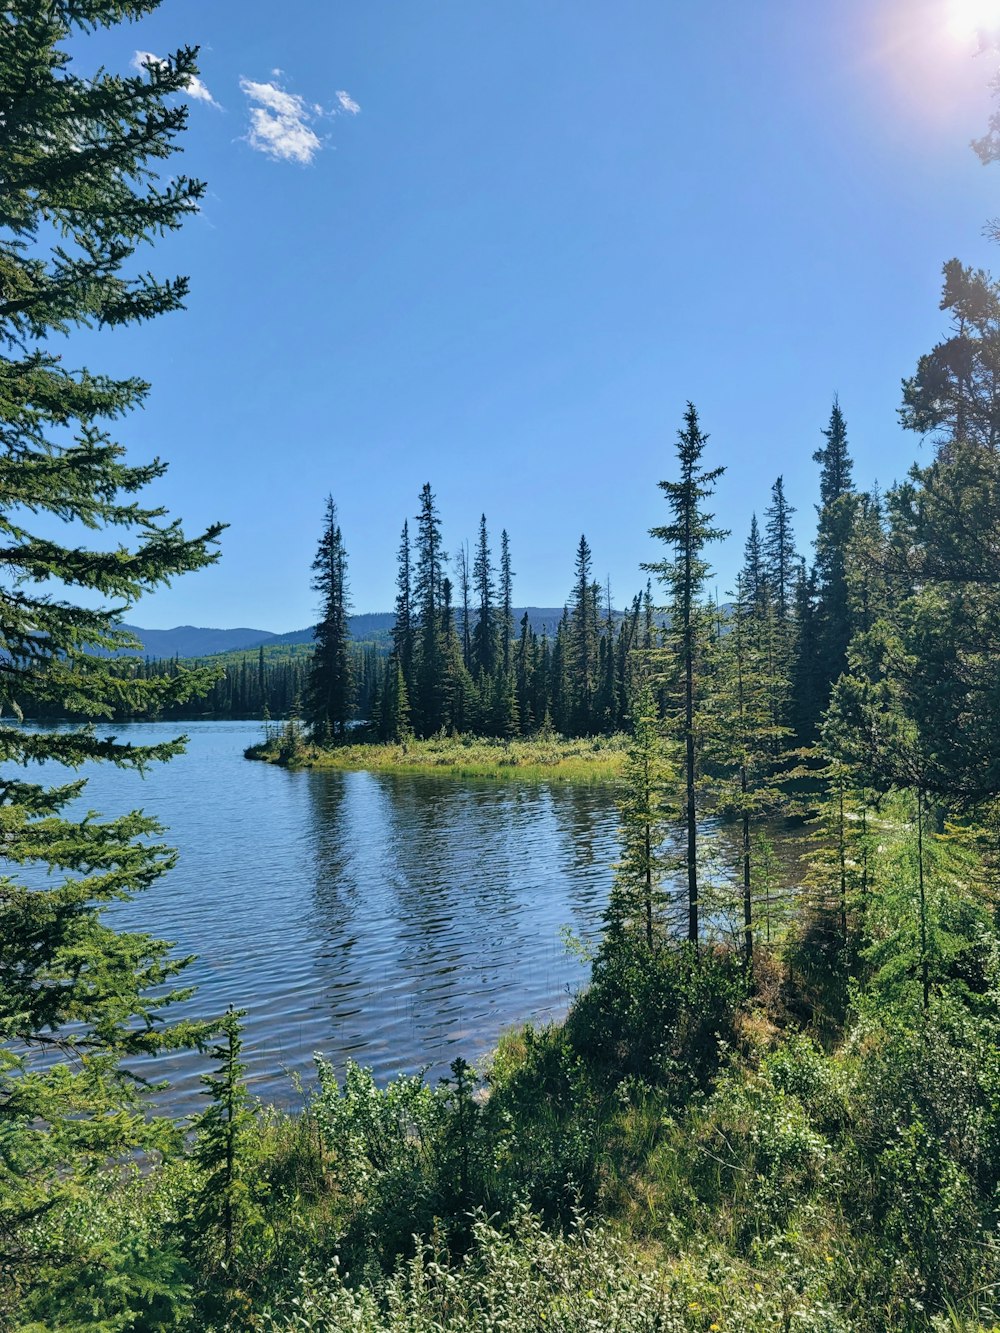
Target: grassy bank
{"type": "Point", "coordinates": [551, 759]}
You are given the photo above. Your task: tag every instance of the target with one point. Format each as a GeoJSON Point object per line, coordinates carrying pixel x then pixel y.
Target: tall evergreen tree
{"type": "Point", "coordinates": [427, 700]}
{"type": "Point", "coordinates": [506, 602]}
{"type": "Point", "coordinates": [778, 550]}
{"type": "Point", "coordinates": [524, 672]}
{"type": "Point", "coordinates": [330, 688]}
{"type": "Point", "coordinates": [746, 734]}
{"type": "Point", "coordinates": [754, 579]}
{"type": "Point", "coordinates": [688, 533]}
{"type": "Point", "coordinates": [463, 592]}
{"type": "Point", "coordinates": [403, 635]}
{"type": "Point", "coordinates": [584, 638]}
{"type": "Point", "coordinates": [79, 158]}
{"type": "Point", "coordinates": [638, 902]}
{"type": "Point", "coordinates": [484, 635]}
{"type": "Point", "coordinates": [836, 519]}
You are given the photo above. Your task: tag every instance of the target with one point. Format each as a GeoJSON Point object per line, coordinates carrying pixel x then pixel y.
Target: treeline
{"type": "Point", "coordinates": [245, 686]}
{"type": "Point", "coordinates": [466, 668]}
{"type": "Point", "coordinates": [460, 665]}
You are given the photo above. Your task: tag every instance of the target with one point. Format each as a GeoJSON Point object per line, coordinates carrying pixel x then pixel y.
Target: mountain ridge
{"type": "Point", "coordinates": [368, 626]}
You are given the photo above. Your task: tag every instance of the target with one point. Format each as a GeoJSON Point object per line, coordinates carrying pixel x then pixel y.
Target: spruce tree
{"type": "Point", "coordinates": [746, 738]}
{"type": "Point", "coordinates": [868, 582]}
{"type": "Point", "coordinates": [607, 711]}
{"type": "Point", "coordinates": [484, 634]}
{"type": "Point", "coordinates": [638, 902]}
{"type": "Point", "coordinates": [224, 1204]}
{"type": "Point", "coordinates": [836, 511]}
{"type": "Point", "coordinates": [427, 700]}
{"type": "Point", "coordinates": [778, 550]}
{"type": "Point", "coordinates": [524, 675]}
{"type": "Point", "coordinates": [403, 635]}
{"type": "Point", "coordinates": [331, 686]}
{"type": "Point", "coordinates": [506, 602]}
{"type": "Point", "coordinates": [584, 638]}
{"type": "Point", "coordinates": [955, 393]}
{"type": "Point", "coordinates": [394, 716]}
{"type": "Point", "coordinates": [79, 158]}
{"type": "Point", "coordinates": [687, 534]}
{"type": "Point", "coordinates": [457, 688]}
{"type": "Point", "coordinates": [463, 592]}
{"type": "Point", "coordinates": [754, 578]}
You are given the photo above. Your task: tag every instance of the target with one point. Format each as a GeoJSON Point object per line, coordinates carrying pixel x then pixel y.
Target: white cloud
{"type": "Point", "coordinates": [194, 86]}
{"type": "Point", "coordinates": [347, 102]}
{"type": "Point", "coordinates": [279, 123]}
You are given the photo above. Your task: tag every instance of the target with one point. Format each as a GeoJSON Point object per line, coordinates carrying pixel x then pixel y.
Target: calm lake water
{"type": "Point", "coordinates": [397, 920]}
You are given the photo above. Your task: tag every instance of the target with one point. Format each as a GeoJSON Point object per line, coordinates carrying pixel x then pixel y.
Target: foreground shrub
{"type": "Point", "coordinates": [522, 1279]}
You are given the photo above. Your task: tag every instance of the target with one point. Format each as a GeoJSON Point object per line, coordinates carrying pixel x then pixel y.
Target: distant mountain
{"type": "Point", "coordinates": [193, 641]}
{"type": "Point", "coordinates": [371, 627]}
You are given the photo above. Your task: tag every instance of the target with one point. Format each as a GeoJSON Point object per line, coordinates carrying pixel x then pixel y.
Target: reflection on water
{"type": "Point", "coordinates": [401, 920]}
{"type": "Point", "coordinates": [439, 906]}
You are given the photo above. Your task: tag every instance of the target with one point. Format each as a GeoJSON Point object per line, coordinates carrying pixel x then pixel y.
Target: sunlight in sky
{"type": "Point", "coordinates": [967, 19]}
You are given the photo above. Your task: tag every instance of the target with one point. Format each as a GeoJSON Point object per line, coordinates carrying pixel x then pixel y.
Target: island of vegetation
{"type": "Point", "coordinates": [549, 757]}
{"type": "Point", "coordinates": [776, 1106]}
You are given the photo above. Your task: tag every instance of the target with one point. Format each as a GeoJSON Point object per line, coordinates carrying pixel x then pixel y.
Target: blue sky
{"type": "Point", "coordinates": [497, 247]}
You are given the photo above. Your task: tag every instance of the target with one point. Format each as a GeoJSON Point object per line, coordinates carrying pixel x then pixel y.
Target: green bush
{"type": "Point", "coordinates": [523, 1279]}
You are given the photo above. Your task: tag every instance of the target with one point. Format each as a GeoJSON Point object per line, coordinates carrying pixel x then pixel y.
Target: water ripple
{"type": "Point", "coordinates": [396, 919]}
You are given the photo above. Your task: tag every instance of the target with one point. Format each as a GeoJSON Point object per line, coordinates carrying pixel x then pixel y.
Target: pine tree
{"type": "Point", "coordinates": [394, 719]}
{"type": "Point", "coordinates": [836, 511]}
{"type": "Point", "coordinates": [542, 706]}
{"type": "Point", "coordinates": [506, 602]}
{"type": "Point", "coordinates": [584, 638]}
{"type": "Point", "coordinates": [648, 617]}
{"type": "Point", "coordinates": [955, 393]}
{"type": "Point", "coordinates": [629, 662]}
{"type": "Point", "coordinates": [638, 896]}
{"type": "Point", "coordinates": [778, 550]}
{"type": "Point", "coordinates": [688, 533]}
{"type": "Point", "coordinates": [868, 592]}
{"type": "Point", "coordinates": [485, 632]}
{"type": "Point", "coordinates": [457, 688]}
{"type": "Point", "coordinates": [403, 636]}
{"type": "Point", "coordinates": [917, 709]}
{"type": "Point", "coordinates": [746, 735]}
{"type": "Point", "coordinates": [607, 712]}
{"type": "Point", "coordinates": [427, 701]}
{"type": "Point", "coordinates": [331, 686]}
{"type": "Point", "coordinates": [224, 1203]}
{"type": "Point", "coordinates": [754, 579]}
{"type": "Point", "coordinates": [807, 671]}
{"type": "Point", "coordinates": [463, 590]}
{"type": "Point", "coordinates": [78, 157]}
{"type": "Point", "coordinates": [524, 672]}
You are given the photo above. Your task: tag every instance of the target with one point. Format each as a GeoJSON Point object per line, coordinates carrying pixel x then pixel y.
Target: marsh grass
{"type": "Point", "coordinates": [596, 759]}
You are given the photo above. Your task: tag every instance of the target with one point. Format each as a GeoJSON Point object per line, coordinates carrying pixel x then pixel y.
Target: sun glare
{"type": "Point", "coordinates": [972, 20]}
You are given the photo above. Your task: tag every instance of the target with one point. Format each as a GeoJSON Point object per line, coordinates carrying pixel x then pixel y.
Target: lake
{"type": "Point", "coordinates": [397, 920]}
